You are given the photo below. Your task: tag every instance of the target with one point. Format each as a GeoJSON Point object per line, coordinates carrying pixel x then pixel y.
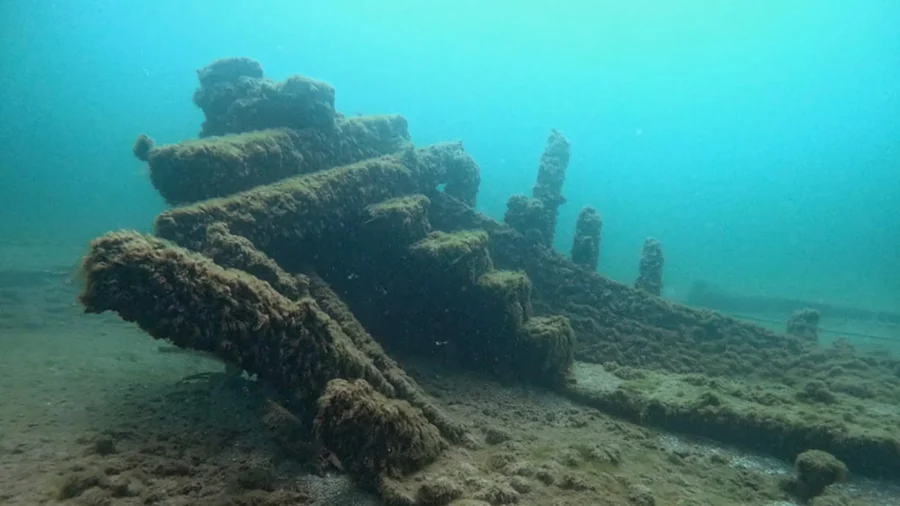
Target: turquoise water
{"type": "Point", "coordinates": [757, 140]}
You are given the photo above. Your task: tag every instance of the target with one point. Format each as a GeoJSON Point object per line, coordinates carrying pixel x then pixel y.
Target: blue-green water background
{"type": "Point", "coordinates": [759, 141]}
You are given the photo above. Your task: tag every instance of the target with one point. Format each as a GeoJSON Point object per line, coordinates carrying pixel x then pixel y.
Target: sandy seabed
{"type": "Point", "coordinates": [94, 412]}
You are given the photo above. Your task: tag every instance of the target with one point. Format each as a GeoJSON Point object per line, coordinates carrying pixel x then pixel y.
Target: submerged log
{"type": "Point", "coordinates": [219, 166]}
{"type": "Point", "coordinates": [311, 206]}
{"type": "Point", "coordinates": [186, 298]}
{"type": "Point", "coordinates": [236, 252]}
{"type": "Point", "coordinates": [294, 345]}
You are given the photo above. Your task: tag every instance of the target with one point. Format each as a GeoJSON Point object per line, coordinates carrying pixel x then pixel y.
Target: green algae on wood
{"type": "Point", "coordinates": [615, 322]}
{"type": "Point", "coordinates": [398, 222]}
{"type": "Point", "coordinates": [619, 325]}
{"type": "Point", "coordinates": [236, 252]}
{"type": "Point", "coordinates": [546, 349]}
{"type": "Point", "coordinates": [186, 298]}
{"type": "Point", "coordinates": [198, 169]}
{"type": "Point", "coordinates": [462, 252]}
{"type": "Point", "coordinates": [304, 207]}
{"type": "Point", "coordinates": [374, 436]}
{"type": "Point", "coordinates": [509, 286]}
{"type": "Point", "coordinates": [224, 165]}
{"type": "Point", "coordinates": [405, 387]}
{"type": "Point", "coordinates": [451, 245]}
{"type": "Point", "coordinates": [507, 293]}
{"type": "Point", "coordinates": [766, 417]}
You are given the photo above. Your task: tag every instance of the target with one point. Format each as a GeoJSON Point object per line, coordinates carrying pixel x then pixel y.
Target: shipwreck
{"type": "Point", "coordinates": [304, 246]}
